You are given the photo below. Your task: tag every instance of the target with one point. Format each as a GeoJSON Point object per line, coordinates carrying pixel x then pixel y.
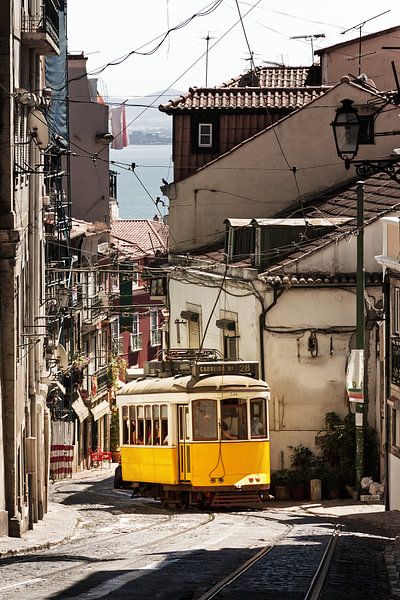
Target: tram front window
{"type": "Point", "coordinates": [204, 420]}
{"type": "Point", "coordinates": [234, 419]}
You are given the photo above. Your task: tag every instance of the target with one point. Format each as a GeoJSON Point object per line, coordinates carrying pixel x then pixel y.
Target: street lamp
{"type": "Point", "coordinates": [346, 129]}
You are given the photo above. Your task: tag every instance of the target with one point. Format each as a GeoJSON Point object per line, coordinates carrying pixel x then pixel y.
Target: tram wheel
{"type": "Point", "coordinates": [183, 501]}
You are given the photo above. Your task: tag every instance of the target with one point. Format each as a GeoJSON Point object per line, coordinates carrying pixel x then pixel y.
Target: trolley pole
{"type": "Point", "coordinates": [360, 336]}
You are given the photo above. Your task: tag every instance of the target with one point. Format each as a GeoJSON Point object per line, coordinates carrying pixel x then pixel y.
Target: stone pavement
{"type": "Point", "coordinates": [57, 526]}
{"type": "Point", "coordinates": [60, 522]}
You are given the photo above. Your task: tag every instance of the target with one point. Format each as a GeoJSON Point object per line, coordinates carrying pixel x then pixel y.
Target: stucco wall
{"type": "Point", "coordinates": [303, 388]}
{"type": "Point", "coordinates": [255, 179]}
{"type": "Point", "coordinates": [375, 62]}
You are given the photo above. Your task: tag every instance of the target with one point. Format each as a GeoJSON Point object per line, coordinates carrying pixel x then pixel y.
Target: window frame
{"type": "Point", "coordinates": [201, 134]}
{"type": "Point", "coordinates": [200, 438]}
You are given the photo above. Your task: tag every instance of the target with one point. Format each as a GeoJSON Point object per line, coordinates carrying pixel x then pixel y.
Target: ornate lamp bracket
{"type": "Point", "coordinates": [366, 168]}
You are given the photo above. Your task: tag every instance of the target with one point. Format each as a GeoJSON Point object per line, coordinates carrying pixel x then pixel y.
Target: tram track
{"type": "Point", "coordinates": [317, 582]}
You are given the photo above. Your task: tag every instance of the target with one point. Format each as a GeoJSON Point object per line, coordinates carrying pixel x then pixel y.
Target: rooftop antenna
{"type": "Point", "coordinates": [207, 38]}
{"type": "Point", "coordinates": [273, 63]}
{"type": "Point", "coordinates": [359, 26]}
{"type": "Point", "coordinates": [309, 38]}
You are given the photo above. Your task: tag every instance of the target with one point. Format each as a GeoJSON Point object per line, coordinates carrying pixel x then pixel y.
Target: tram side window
{"type": "Point", "coordinates": [164, 425]}
{"type": "Point", "coordinates": [140, 425]}
{"type": "Point", "coordinates": [148, 425]}
{"type": "Point", "coordinates": [234, 419]}
{"type": "Point", "coordinates": [156, 425]}
{"type": "Point", "coordinates": [125, 425]}
{"type": "Point", "coordinates": [132, 424]}
{"type": "Point", "coordinates": [204, 420]}
{"type": "Point", "coordinates": [258, 418]}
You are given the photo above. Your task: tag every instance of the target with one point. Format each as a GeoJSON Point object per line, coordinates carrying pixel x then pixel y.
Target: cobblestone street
{"type": "Point", "coordinates": [128, 548]}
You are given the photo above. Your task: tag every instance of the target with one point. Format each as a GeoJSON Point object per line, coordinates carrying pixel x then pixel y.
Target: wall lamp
{"type": "Point", "coordinates": [346, 130]}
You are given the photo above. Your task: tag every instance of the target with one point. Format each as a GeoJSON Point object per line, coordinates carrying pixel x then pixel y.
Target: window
{"type": "Point", "coordinates": [136, 336]}
{"type": "Point", "coordinates": [366, 135]}
{"type": "Point", "coordinates": [229, 328]}
{"type": "Point", "coordinates": [234, 419]}
{"type": "Point", "coordinates": [258, 418]}
{"type": "Point", "coordinates": [204, 420]}
{"type": "Point", "coordinates": [155, 332]}
{"type": "Point", "coordinates": [145, 425]}
{"type": "Point", "coordinates": [125, 425]}
{"type": "Point", "coordinates": [396, 311]}
{"type": "Point", "coordinates": [205, 135]}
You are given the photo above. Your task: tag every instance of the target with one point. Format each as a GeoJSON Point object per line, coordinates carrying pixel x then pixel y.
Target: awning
{"type": "Point", "coordinates": [80, 409]}
{"type": "Point", "coordinates": [100, 409]}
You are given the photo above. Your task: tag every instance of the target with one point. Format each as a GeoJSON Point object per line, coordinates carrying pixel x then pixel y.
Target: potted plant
{"type": "Point", "coordinates": [280, 484]}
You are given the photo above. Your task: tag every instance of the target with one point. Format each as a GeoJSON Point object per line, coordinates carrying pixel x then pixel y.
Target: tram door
{"type": "Point", "coordinates": [183, 445]}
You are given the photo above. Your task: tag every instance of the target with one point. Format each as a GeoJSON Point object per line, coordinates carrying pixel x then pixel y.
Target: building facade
{"type": "Point", "coordinates": [29, 31]}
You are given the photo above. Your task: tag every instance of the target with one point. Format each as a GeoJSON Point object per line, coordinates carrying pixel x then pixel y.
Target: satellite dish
{"type": "Point", "coordinates": [39, 128]}
{"type": "Point", "coordinates": [61, 353]}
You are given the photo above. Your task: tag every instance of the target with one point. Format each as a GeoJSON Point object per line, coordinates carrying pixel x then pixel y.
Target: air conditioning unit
{"type": "Point", "coordinates": [46, 200]}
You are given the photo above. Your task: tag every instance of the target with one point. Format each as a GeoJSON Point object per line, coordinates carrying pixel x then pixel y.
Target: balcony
{"type": "Point", "coordinates": [41, 31]}
{"type": "Point", "coordinates": [99, 382]}
{"type": "Point", "coordinates": [155, 337]}
{"type": "Point", "coordinates": [395, 374]}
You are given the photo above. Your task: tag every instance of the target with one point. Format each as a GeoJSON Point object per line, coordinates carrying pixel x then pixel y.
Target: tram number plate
{"type": "Point", "coordinates": [227, 368]}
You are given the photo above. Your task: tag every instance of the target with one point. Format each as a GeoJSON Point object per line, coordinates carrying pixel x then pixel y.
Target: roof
{"type": "Point", "coordinates": [143, 237]}
{"type": "Point", "coordinates": [381, 197]}
{"type": "Point", "coordinates": [276, 88]}
{"type": "Point", "coordinates": [188, 384]}
{"type": "Point", "coordinates": [369, 36]}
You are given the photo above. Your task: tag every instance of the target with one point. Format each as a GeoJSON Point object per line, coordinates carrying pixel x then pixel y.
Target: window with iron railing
{"type": "Point", "coordinates": [45, 21]}
{"type": "Point", "coordinates": [113, 184]}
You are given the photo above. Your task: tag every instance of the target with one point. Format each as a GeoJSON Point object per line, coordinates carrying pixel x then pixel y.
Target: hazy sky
{"type": "Point", "coordinates": [107, 31]}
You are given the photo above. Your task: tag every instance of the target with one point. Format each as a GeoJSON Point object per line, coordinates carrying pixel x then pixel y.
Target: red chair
{"type": "Point", "coordinates": [96, 458]}
{"type": "Point", "coordinates": [106, 457]}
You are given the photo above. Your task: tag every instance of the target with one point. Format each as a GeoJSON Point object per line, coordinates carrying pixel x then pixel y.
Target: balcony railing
{"type": "Point", "coordinates": [155, 337]}
{"type": "Point", "coordinates": [99, 382]}
{"type": "Point", "coordinates": [395, 374]}
{"type": "Point", "coordinates": [35, 28]}
{"type": "Point", "coordinates": [93, 309]}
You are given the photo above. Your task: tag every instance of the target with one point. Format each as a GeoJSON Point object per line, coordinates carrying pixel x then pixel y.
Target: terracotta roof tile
{"type": "Point", "coordinates": [149, 236]}
{"type": "Point", "coordinates": [275, 88]}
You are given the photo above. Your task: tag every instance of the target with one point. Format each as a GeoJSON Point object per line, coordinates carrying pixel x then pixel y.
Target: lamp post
{"type": "Point", "coordinates": [346, 129]}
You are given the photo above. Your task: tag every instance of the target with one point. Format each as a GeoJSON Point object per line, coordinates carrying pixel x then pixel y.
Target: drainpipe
{"type": "Point", "coordinates": [386, 300]}
{"type": "Point", "coordinates": [277, 294]}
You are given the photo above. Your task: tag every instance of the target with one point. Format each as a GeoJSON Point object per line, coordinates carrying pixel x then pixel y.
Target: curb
{"type": "Point", "coordinates": [37, 547]}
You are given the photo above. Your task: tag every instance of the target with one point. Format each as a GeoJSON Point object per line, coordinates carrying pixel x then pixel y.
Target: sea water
{"type": "Point", "coordinates": [137, 194]}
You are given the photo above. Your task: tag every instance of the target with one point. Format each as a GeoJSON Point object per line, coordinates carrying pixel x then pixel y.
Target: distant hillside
{"type": "Point", "coordinates": [147, 123]}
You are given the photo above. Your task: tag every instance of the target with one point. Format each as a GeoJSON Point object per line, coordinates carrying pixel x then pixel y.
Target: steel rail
{"type": "Point", "coordinates": [318, 580]}
{"type": "Point", "coordinates": [226, 581]}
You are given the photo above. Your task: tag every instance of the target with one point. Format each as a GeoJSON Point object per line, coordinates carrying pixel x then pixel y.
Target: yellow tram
{"type": "Point", "coordinates": [199, 436]}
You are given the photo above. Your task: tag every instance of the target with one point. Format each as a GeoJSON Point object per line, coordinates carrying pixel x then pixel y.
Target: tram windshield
{"type": "Point", "coordinates": [234, 419]}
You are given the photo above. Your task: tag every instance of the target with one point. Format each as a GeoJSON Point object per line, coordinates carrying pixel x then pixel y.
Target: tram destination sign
{"type": "Point", "coordinates": [249, 368]}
